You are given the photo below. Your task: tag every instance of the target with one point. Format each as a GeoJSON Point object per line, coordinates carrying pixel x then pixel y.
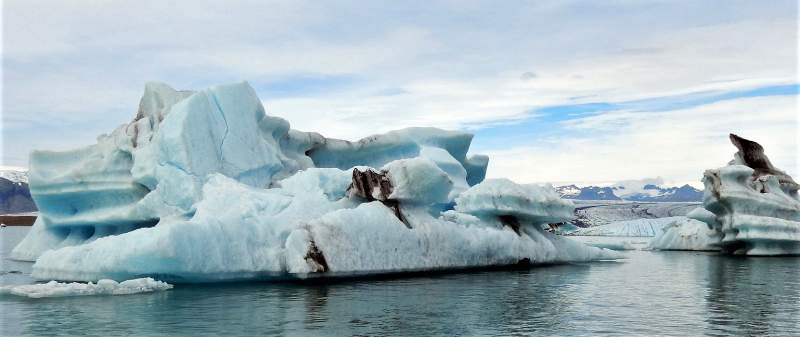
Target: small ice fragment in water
{"type": "Point", "coordinates": [102, 287]}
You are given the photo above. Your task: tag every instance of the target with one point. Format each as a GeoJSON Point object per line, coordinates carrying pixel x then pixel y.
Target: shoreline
{"type": "Point", "coordinates": [18, 219]}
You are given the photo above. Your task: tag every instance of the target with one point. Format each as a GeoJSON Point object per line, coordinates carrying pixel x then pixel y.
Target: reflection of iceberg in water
{"type": "Point", "coordinates": [204, 186]}
{"type": "Point", "coordinates": [673, 293]}
{"type": "Point", "coordinates": [748, 297]}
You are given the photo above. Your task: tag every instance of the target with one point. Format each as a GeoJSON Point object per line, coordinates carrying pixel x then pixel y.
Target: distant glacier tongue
{"type": "Point", "coordinates": [204, 186]}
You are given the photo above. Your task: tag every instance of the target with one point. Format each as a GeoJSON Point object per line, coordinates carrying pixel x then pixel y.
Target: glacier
{"type": "Point", "coordinates": [749, 208]}
{"type": "Point", "coordinates": [636, 234]}
{"type": "Point", "coordinates": [629, 228]}
{"type": "Point", "coordinates": [204, 186]}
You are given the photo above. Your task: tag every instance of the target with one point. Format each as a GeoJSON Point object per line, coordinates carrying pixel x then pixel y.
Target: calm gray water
{"type": "Point", "coordinates": [651, 293]}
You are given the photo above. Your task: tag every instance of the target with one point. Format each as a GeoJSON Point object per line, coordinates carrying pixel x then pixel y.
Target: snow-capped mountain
{"type": "Point", "coordinates": [568, 191]}
{"type": "Point", "coordinates": [15, 197]}
{"type": "Point", "coordinates": [649, 190]}
{"type": "Point", "coordinates": [683, 193]}
{"type": "Point", "coordinates": [587, 193]}
{"type": "Point", "coordinates": [17, 176]}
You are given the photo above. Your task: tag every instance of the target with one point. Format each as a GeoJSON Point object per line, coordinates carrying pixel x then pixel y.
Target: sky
{"type": "Point", "coordinates": [555, 91]}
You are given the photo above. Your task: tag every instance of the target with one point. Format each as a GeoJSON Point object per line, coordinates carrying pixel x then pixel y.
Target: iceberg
{"type": "Point", "coordinates": [756, 205]}
{"type": "Point", "coordinates": [695, 231]}
{"type": "Point", "coordinates": [204, 186]}
{"type": "Point", "coordinates": [749, 208]}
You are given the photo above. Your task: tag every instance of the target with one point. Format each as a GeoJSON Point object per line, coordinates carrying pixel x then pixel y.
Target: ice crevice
{"type": "Point", "coordinates": [206, 187]}
{"type": "Point", "coordinates": [220, 152]}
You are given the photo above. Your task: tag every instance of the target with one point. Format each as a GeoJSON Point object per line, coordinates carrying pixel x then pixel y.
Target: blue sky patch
{"type": "Point", "coordinates": [546, 121]}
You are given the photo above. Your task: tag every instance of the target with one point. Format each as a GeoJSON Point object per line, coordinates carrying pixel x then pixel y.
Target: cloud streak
{"type": "Point", "coordinates": [677, 145]}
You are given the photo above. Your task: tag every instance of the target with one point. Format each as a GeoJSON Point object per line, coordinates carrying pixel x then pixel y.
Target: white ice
{"type": "Point", "coordinates": [204, 186]}
{"type": "Point", "coordinates": [419, 180]}
{"type": "Point", "coordinates": [754, 216]}
{"type": "Point", "coordinates": [623, 235]}
{"type": "Point", "coordinates": [745, 211]}
{"type": "Point", "coordinates": [629, 228]}
{"type": "Point", "coordinates": [540, 204]}
{"type": "Point", "coordinates": [102, 287]}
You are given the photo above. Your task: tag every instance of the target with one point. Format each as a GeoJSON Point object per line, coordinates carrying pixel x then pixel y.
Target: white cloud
{"type": "Point", "coordinates": [450, 65]}
{"type": "Point", "coordinates": [678, 145]}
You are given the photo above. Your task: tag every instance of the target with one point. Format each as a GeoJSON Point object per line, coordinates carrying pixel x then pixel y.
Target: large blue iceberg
{"type": "Point", "coordinates": [205, 186]}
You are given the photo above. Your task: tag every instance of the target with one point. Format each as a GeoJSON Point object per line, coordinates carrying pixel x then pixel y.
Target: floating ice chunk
{"type": "Point", "coordinates": [756, 206]}
{"type": "Point", "coordinates": [102, 287]}
{"type": "Point", "coordinates": [497, 197]}
{"type": "Point", "coordinates": [756, 217]}
{"type": "Point", "coordinates": [686, 234]}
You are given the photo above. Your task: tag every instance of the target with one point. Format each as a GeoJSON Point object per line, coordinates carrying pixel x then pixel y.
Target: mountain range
{"type": "Point", "coordinates": [629, 191]}
{"type": "Point", "coordinates": [15, 197]}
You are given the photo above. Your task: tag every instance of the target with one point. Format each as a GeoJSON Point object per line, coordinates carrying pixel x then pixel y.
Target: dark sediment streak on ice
{"type": "Point", "coordinates": [754, 157]}
{"type": "Point", "coordinates": [365, 185]}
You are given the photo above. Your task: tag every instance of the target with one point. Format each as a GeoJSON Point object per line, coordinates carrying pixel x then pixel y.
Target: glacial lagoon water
{"type": "Point", "coordinates": [650, 293]}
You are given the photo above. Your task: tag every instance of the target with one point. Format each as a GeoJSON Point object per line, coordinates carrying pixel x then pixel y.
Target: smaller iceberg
{"type": "Point", "coordinates": [102, 287]}
{"type": "Point", "coordinates": [749, 208]}
{"type": "Point", "coordinates": [693, 232]}
{"type": "Point", "coordinates": [756, 205]}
